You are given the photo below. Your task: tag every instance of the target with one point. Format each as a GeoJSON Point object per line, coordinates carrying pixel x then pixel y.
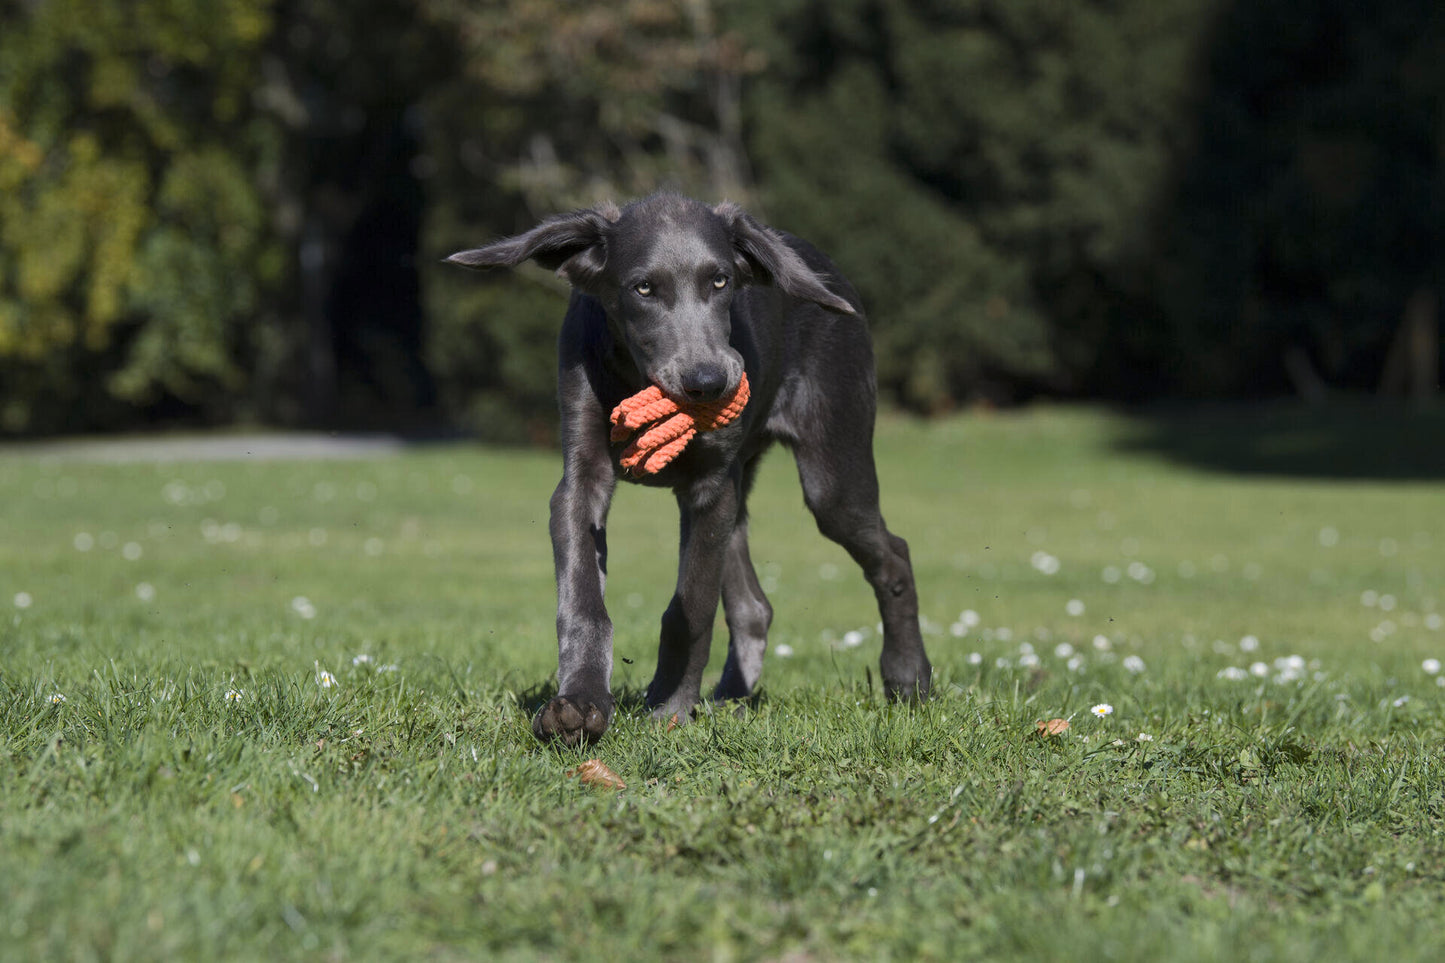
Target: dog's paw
{"type": "Point", "coordinates": [671, 717]}
{"type": "Point", "coordinates": [572, 720]}
{"type": "Point", "coordinates": [910, 685]}
{"type": "Point", "coordinates": [676, 709]}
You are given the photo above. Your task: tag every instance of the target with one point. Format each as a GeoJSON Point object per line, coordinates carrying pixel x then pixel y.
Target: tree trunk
{"type": "Point", "coordinates": [1412, 366]}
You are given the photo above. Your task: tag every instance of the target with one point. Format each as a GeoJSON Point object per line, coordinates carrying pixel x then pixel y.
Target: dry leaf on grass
{"type": "Point", "coordinates": [672, 723]}
{"type": "Point", "coordinates": [594, 773]}
{"type": "Point", "coordinates": [1053, 727]}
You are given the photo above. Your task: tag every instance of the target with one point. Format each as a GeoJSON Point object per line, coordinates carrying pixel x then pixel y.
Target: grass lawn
{"type": "Point", "coordinates": [178, 781]}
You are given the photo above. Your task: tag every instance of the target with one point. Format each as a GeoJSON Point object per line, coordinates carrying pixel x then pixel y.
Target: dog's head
{"type": "Point", "coordinates": [666, 268]}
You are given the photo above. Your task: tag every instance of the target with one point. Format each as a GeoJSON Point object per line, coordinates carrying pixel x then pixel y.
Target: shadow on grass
{"type": "Point", "coordinates": [1358, 440]}
{"type": "Point", "coordinates": [630, 700]}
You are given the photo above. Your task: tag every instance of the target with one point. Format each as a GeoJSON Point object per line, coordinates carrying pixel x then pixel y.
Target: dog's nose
{"type": "Point", "coordinates": [706, 382]}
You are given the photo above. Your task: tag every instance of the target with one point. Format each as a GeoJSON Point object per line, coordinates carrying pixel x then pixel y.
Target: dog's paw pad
{"type": "Point", "coordinates": [570, 721]}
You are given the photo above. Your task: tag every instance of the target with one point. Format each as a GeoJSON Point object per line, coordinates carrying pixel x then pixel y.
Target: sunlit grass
{"type": "Point", "coordinates": [271, 710]}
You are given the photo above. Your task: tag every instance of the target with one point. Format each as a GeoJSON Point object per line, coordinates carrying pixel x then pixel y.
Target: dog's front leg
{"type": "Point", "coordinates": [583, 706]}
{"type": "Point", "coordinates": [709, 512]}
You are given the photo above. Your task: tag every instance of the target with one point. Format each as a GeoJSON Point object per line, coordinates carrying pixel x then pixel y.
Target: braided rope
{"type": "Point", "coordinates": [672, 425]}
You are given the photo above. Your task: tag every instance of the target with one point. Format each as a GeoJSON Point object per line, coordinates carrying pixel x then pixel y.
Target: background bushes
{"type": "Point", "coordinates": [223, 212]}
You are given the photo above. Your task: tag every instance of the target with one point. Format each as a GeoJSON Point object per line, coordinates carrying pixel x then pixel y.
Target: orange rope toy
{"type": "Point", "coordinates": [674, 427]}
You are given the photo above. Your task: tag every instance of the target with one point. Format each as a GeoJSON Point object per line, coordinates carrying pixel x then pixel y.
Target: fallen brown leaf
{"type": "Point", "coordinates": [672, 723]}
{"type": "Point", "coordinates": [594, 773]}
{"type": "Point", "coordinates": [1053, 727]}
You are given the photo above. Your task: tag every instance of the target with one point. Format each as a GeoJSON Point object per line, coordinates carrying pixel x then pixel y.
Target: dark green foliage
{"type": "Point", "coordinates": [1309, 207]}
{"type": "Point", "coordinates": [193, 195]}
{"type": "Point", "coordinates": [135, 244]}
{"type": "Point", "coordinates": [236, 212]}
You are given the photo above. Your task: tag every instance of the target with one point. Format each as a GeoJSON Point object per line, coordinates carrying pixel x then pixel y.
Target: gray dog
{"type": "Point", "coordinates": [670, 292]}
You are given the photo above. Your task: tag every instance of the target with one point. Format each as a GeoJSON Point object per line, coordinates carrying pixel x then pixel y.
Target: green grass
{"type": "Point", "coordinates": [409, 814]}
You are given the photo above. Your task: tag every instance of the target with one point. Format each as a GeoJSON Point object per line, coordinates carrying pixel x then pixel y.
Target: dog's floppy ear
{"type": "Point", "coordinates": [762, 255]}
{"type": "Point", "coordinates": [574, 245]}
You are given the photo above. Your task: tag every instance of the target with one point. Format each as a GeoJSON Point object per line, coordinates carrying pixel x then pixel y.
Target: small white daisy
{"type": "Point", "coordinates": [1431, 666]}
{"type": "Point", "coordinates": [1134, 664]}
{"type": "Point", "coordinates": [56, 698]}
{"type": "Point", "coordinates": [1102, 709]}
{"type": "Point", "coordinates": [361, 659]}
{"type": "Point", "coordinates": [234, 696]}
{"type": "Point", "coordinates": [1143, 737]}
{"type": "Point", "coordinates": [323, 678]}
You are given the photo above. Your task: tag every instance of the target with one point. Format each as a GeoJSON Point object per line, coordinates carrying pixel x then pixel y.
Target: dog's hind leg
{"type": "Point", "coordinates": [748, 616]}
{"type": "Point", "coordinates": [745, 606]}
{"type": "Point", "coordinates": [709, 517]}
{"type": "Point", "coordinates": [840, 486]}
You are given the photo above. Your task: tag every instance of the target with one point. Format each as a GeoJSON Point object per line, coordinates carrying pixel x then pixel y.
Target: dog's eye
{"type": "Point", "coordinates": [643, 289]}
{"type": "Point", "coordinates": [720, 282]}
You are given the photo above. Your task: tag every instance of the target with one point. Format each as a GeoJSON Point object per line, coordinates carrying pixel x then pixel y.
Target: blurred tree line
{"type": "Point", "coordinates": [232, 210]}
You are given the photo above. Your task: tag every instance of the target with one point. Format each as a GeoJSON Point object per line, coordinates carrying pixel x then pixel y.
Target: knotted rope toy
{"type": "Point", "coordinates": [672, 425]}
